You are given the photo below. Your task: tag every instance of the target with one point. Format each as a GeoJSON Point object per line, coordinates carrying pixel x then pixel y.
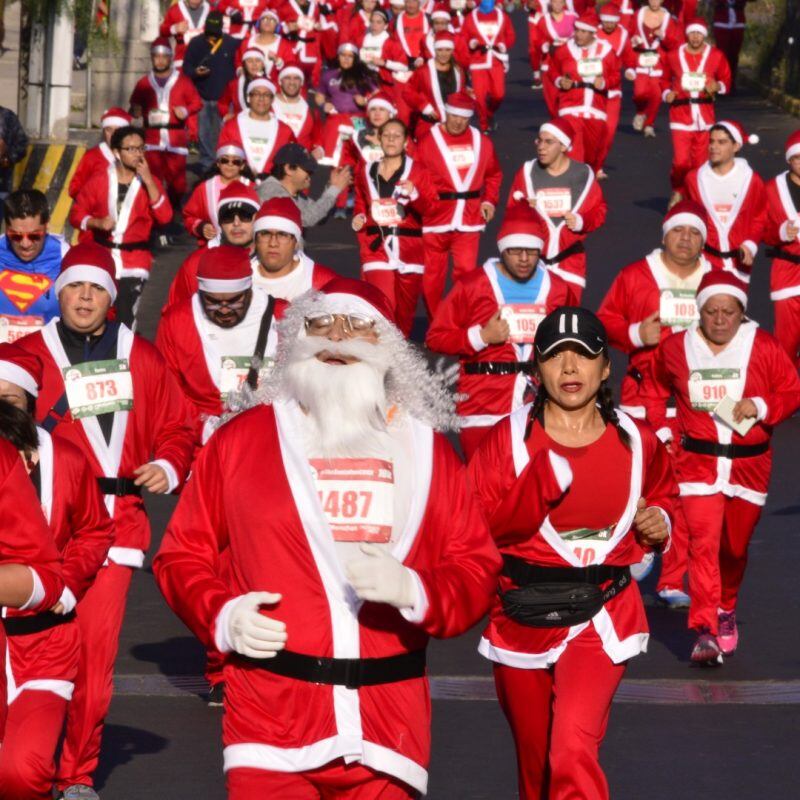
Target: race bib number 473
{"type": "Point", "coordinates": [357, 497]}
{"type": "Point", "coordinates": [98, 387]}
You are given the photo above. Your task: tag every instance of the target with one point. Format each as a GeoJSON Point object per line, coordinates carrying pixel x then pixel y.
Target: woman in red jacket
{"type": "Point", "coordinates": [573, 490]}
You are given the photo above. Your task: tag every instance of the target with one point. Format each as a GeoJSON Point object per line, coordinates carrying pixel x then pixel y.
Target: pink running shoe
{"type": "Point", "coordinates": [728, 636]}
{"type": "Point", "coordinates": [706, 651]}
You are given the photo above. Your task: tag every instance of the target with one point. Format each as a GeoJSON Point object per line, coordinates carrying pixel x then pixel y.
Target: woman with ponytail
{"type": "Point", "coordinates": [573, 489]}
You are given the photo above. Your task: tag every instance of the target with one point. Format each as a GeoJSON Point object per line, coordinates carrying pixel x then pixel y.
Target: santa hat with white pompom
{"type": "Point", "coordinates": [737, 132]}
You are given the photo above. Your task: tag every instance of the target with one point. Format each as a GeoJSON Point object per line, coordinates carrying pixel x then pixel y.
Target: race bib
{"type": "Point", "coordinates": [13, 328]}
{"type": "Point", "coordinates": [369, 55]}
{"type": "Point", "coordinates": [708, 386]}
{"type": "Point", "coordinates": [458, 5]}
{"type": "Point", "coordinates": [488, 30]}
{"type": "Point", "coordinates": [402, 75]}
{"type": "Point", "coordinates": [371, 153]}
{"type": "Point", "coordinates": [157, 117]}
{"type": "Point", "coordinates": [234, 373]}
{"type": "Point", "coordinates": [98, 387]}
{"type": "Point", "coordinates": [693, 81]}
{"type": "Point", "coordinates": [590, 67]}
{"type": "Point", "coordinates": [357, 497]}
{"type": "Point", "coordinates": [385, 212]}
{"type": "Point", "coordinates": [462, 155]}
{"type": "Point", "coordinates": [523, 319]}
{"type": "Point", "coordinates": [723, 212]}
{"type": "Point", "coordinates": [588, 544]}
{"type": "Point", "coordinates": [555, 202]}
{"type": "Point", "coordinates": [305, 23]}
{"type": "Point", "coordinates": [678, 308]}
{"type": "Point", "coordinates": [648, 59]}
{"type": "Point", "coordinates": [294, 121]}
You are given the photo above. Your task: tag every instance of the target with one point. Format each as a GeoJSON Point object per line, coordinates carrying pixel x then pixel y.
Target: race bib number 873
{"type": "Point", "coordinates": [98, 387]}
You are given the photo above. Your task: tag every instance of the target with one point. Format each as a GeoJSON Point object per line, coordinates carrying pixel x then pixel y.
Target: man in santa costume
{"type": "Point", "coordinates": [257, 130]}
{"type": "Point", "coordinates": [184, 20]}
{"type": "Point", "coordinates": [733, 383]}
{"type": "Point", "coordinates": [729, 25]}
{"type": "Point", "coordinates": [584, 71]}
{"type": "Point", "coordinates": [293, 109]}
{"type": "Point", "coordinates": [782, 234]}
{"type": "Point", "coordinates": [733, 196]}
{"type": "Point", "coordinates": [410, 28]}
{"type": "Point", "coordinates": [300, 19]}
{"type": "Point", "coordinates": [213, 339]}
{"type": "Point", "coordinates": [694, 74]}
{"type": "Point", "coordinates": [488, 36]}
{"type": "Point", "coordinates": [100, 156]}
{"type": "Point", "coordinates": [168, 104]}
{"type": "Point", "coordinates": [567, 198]}
{"type": "Point", "coordinates": [236, 209]}
{"type": "Point", "coordinates": [44, 647]}
{"type": "Point", "coordinates": [618, 37]}
{"type": "Point", "coordinates": [489, 320]}
{"type": "Point", "coordinates": [117, 208]}
{"type": "Point", "coordinates": [649, 300]}
{"type": "Point", "coordinates": [352, 550]}
{"type": "Point", "coordinates": [429, 85]}
{"type": "Point", "coordinates": [464, 169]}
{"type": "Point", "coordinates": [110, 393]}
{"type": "Point", "coordinates": [391, 196]}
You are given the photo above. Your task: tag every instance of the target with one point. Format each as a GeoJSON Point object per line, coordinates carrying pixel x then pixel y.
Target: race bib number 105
{"type": "Point", "coordinates": [98, 387]}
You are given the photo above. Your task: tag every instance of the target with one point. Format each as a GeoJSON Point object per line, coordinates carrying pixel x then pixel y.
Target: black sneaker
{"type": "Point", "coordinates": [215, 695]}
{"type": "Point", "coordinates": [706, 651]}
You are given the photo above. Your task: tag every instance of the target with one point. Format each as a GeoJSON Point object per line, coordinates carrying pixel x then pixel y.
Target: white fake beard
{"type": "Point", "coordinates": [345, 402]}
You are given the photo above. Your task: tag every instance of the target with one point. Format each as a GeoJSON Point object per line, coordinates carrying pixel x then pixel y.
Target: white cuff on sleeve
{"type": "Point", "coordinates": [172, 476]}
{"type": "Point", "coordinates": [474, 336]}
{"type": "Point", "coordinates": [67, 600]}
{"type": "Point", "coordinates": [37, 595]}
{"type": "Point", "coordinates": [418, 611]}
{"type": "Point", "coordinates": [221, 638]}
{"type": "Point", "coordinates": [578, 224]}
{"type": "Point", "coordinates": [668, 543]}
{"type": "Point", "coordinates": [663, 94]}
{"type": "Point", "coordinates": [782, 232]}
{"type": "Point", "coordinates": [723, 89]}
{"type": "Point", "coordinates": [634, 336]}
{"type": "Point", "coordinates": [761, 405]}
{"type": "Point", "coordinates": [664, 434]}
{"type": "Point", "coordinates": [561, 469]}
{"type": "Point", "coordinates": [751, 246]}
{"type": "Point", "coordinates": [84, 226]}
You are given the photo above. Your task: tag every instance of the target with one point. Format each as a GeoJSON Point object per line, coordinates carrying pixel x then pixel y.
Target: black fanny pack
{"type": "Point", "coordinates": [558, 597]}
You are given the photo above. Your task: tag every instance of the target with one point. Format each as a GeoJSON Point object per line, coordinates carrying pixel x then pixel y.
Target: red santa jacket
{"type": "Point", "coordinates": [424, 95]}
{"type": "Point", "coordinates": [260, 139]}
{"type": "Point", "coordinates": [753, 366]}
{"type": "Point", "coordinates": [465, 166]}
{"type": "Point", "coordinates": [177, 13]}
{"type": "Point", "coordinates": [411, 46]}
{"type": "Point", "coordinates": [389, 240]}
{"type": "Point", "coordinates": [302, 119]}
{"type": "Point", "coordinates": [563, 250]}
{"type": "Point", "coordinates": [491, 34]}
{"type": "Point", "coordinates": [455, 330]}
{"type": "Point", "coordinates": [233, 100]}
{"type": "Point", "coordinates": [279, 54]}
{"type": "Point", "coordinates": [639, 290]}
{"type": "Point", "coordinates": [162, 128]}
{"type": "Point", "coordinates": [156, 429]}
{"type": "Point", "coordinates": [241, 15]}
{"type": "Point", "coordinates": [693, 109]}
{"type": "Point", "coordinates": [548, 38]}
{"type": "Point", "coordinates": [129, 241]}
{"type": "Point", "coordinates": [741, 226]}
{"type": "Point", "coordinates": [306, 49]}
{"type": "Point", "coordinates": [785, 273]}
{"type": "Point", "coordinates": [95, 159]}
{"type": "Point", "coordinates": [583, 65]}
{"type": "Point", "coordinates": [649, 46]}
{"type": "Point", "coordinates": [518, 487]}
{"type": "Point", "coordinates": [384, 727]}
{"type": "Point", "coordinates": [730, 14]}
{"type": "Point", "coordinates": [83, 533]}
{"type": "Point", "coordinates": [620, 41]}
{"type": "Point", "coordinates": [201, 207]}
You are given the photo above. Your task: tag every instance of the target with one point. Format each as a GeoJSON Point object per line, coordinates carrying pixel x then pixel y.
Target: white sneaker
{"type": "Point", "coordinates": [674, 598]}
{"type": "Point", "coordinates": [80, 791]}
{"type": "Point", "coordinates": [649, 132]}
{"type": "Point", "coordinates": [641, 570]}
{"type": "Point", "coordinates": [638, 122]}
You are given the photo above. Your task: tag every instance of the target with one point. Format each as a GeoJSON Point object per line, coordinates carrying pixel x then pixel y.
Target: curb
{"type": "Point", "coordinates": [787, 102]}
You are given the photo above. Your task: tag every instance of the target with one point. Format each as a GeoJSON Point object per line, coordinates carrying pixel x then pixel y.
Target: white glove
{"type": "Point", "coordinates": [381, 578]}
{"type": "Point", "coordinates": [248, 632]}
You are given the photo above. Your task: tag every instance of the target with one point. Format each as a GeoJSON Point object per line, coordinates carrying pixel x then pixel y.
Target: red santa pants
{"type": "Point", "coordinates": [402, 290]}
{"type": "Point", "coordinates": [674, 562]}
{"type": "Point", "coordinates": [489, 86]}
{"type": "Point", "coordinates": [27, 757]}
{"type": "Point", "coordinates": [719, 533]}
{"type": "Point", "coordinates": [647, 97]}
{"type": "Point", "coordinates": [534, 45]}
{"type": "Point", "coordinates": [438, 246]}
{"type": "Point", "coordinates": [613, 107]}
{"type": "Point", "coordinates": [100, 615]}
{"type": "Point", "coordinates": [550, 93]}
{"type": "Point", "coordinates": [730, 40]}
{"type": "Point", "coordinates": [787, 326]}
{"type": "Point", "coordinates": [170, 169]}
{"type": "Point", "coordinates": [559, 717]}
{"type": "Point", "coordinates": [334, 781]}
{"type": "Point", "coordinates": [589, 144]}
{"type": "Point", "coordinates": [689, 151]}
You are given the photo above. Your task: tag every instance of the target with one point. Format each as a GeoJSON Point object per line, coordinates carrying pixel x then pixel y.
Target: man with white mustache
{"type": "Point", "coordinates": [352, 537]}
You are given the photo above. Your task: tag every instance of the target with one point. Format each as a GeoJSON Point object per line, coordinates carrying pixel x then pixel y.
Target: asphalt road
{"type": "Point", "coordinates": [675, 732]}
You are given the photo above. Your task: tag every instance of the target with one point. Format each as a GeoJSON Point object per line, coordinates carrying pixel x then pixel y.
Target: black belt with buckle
{"type": "Point", "coordinates": [574, 249]}
{"type": "Point", "coordinates": [692, 101]}
{"type": "Point", "coordinates": [498, 367]}
{"type": "Point", "coordinates": [712, 251]}
{"type": "Point", "coordinates": [119, 487]}
{"type": "Point", "coordinates": [706, 448]}
{"type": "Point", "coordinates": [474, 194]}
{"type": "Point", "coordinates": [785, 255]}
{"type": "Point", "coordinates": [21, 626]}
{"type": "Point", "coordinates": [126, 246]}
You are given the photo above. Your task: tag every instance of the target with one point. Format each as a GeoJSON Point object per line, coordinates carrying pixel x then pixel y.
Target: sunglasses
{"type": "Point", "coordinates": [235, 162]}
{"type": "Point", "coordinates": [230, 214]}
{"type": "Point", "coordinates": [233, 304]}
{"type": "Point", "coordinates": [19, 236]}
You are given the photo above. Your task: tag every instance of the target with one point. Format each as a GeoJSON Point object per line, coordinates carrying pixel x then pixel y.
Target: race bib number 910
{"type": "Point", "coordinates": [708, 386]}
{"type": "Point", "coordinates": [98, 387]}
{"type": "Point", "coordinates": [357, 497]}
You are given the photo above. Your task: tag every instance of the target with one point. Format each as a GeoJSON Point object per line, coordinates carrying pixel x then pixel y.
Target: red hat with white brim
{"type": "Point", "coordinates": [737, 132]}
{"type": "Point", "coordinates": [350, 296]}
{"type": "Point", "coordinates": [268, 12]}
{"type": "Point", "coordinates": [161, 45]}
{"type": "Point", "coordinates": [240, 194]}
{"type": "Point", "coordinates": [588, 21]}
{"type": "Point", "coordinates": [561, 128]}
{"type": "Point", "coordinates": [381, 100]}
{"type": "Point", "coordinates": [292, 70]}
{"type": "Point", "coordinates": [347, 47]}
{"type": "Point", "coordinates": [115, 118]}
{"type": "Point", "coordinates": [88, 262]}
{"type": "Point", "coordinates": [224, 269]}
{"type": "Point", "coordinates": [444, 40]}
{"type": "Point", "coordinates": [520, 228]}
{"type": "Point", "coordinates": [720, 281]}
{"type": "Point", "coordinates": [441, 12]}
{"type": "Point", "coordinates": [460, 104]}
{"type": "Point", "coordinates": [260, 83]}
{"type": "Point", "coordinates": [793, 145]}
{"type": "Point", "coordinates": [279, 214]}
{"type": "Point", "coordinates": [610, 12]}
{"type": "Point", "coordinates": [686, 212]}
{"type": "Point", "coordinates": [697, 25]}
{"type": "Point", "coordinates": [230, 149]}
{"type": "Point", "coordinates": [21, 368]}
{"type": "Point", "coordinates": [254, 52]}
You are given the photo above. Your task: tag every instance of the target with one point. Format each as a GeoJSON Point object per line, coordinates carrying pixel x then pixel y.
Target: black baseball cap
{"type": "Point", "coordinates": [295, 155]}
{"type": "Point", "coordinates": [571, 324]}
{"type": "Point", "coordinates": [214, 21]}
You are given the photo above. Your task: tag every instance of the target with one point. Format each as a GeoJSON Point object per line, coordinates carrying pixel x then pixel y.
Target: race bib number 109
{"type": "Point", "coordinates": [98, 387]}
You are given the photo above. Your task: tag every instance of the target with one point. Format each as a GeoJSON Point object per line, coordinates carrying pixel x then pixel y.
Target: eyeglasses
{"type": "Point", "coordinates": [232, 303]}
{"type": "Point", "coordinates": [354, 324]}
{"type": "Point", "coordinates": [546, 142]}
{"type": "Point", "coordinates": [281, 236]}
{"type": "Point", "coordinates": [519, 251]}
{"type": "Point", "coordinates": [233, 162]}
{"type": "Point", "coordinates": [32, 236]}
{"type": "Point", "coordinates": [231, 214]}
{"type": "Point", "coordinates": [260, 95]}
{"type": "Point", "coordinates": [133, 148]}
